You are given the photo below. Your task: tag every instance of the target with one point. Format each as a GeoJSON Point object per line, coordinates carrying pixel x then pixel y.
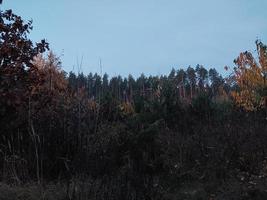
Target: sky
{"type": "Point", "coordinates": [145, 36]}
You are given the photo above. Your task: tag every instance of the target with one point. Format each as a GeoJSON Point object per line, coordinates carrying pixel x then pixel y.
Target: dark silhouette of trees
{"type": "Point", "coordinates": [127, 138]}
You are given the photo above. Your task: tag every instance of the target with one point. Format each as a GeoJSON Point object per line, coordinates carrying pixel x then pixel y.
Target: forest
{"type": "Point", "coordinates": [191, 134]}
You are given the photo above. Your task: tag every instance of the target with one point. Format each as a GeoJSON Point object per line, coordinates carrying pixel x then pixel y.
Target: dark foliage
{"type": "Point", "coordinates": [123, 138]}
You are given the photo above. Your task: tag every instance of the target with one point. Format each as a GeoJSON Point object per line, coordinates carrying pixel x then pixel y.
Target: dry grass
{"type": "Point", "coordinates": [31, 192]}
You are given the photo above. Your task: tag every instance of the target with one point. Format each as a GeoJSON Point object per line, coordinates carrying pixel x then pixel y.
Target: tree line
{"type": "Point", "coordinates": [134, 138]}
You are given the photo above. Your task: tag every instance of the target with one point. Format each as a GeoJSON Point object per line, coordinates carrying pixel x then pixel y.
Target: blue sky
{"type": "Point", "coordinates": [150, 36]}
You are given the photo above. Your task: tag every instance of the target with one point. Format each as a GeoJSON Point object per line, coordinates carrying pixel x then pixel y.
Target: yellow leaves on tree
{"type": "Point", "coordinates": [250, 76]}
{"type": "Point", "coordinates": [53, 76]}
{"type": "Point", "coordinates": [126, 108]}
